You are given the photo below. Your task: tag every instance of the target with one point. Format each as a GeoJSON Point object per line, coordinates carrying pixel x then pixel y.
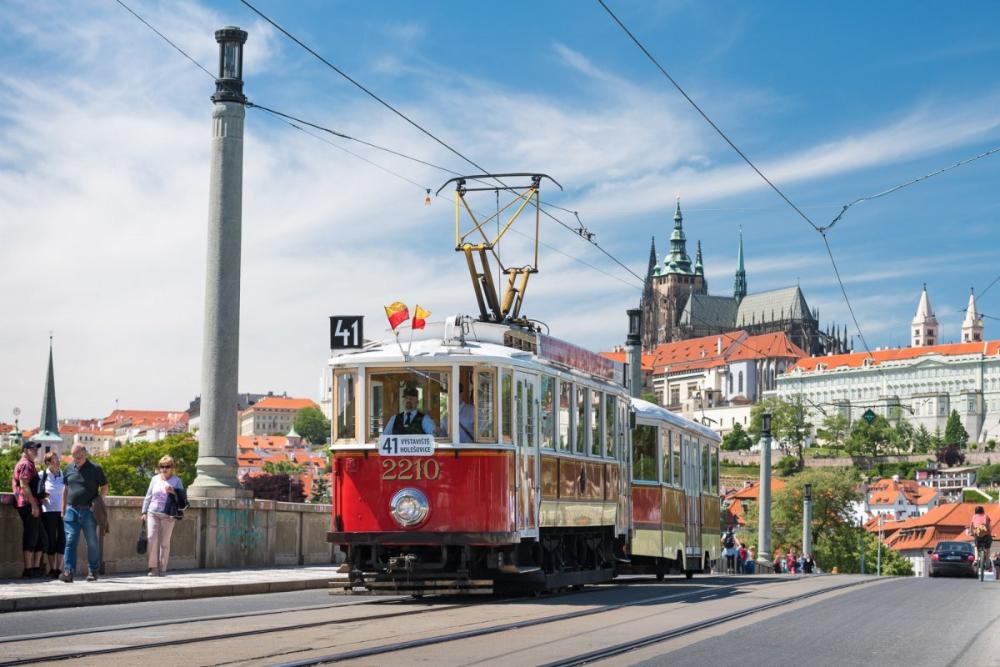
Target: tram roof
{"type": "Point", "coordinates": [439, 343]}
{"type": "Point", "coordinates": [652, 411]}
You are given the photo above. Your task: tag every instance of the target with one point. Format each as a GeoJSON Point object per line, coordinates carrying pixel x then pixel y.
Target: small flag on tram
{"type": "Point", "coordinates": [397, 312]}
{"type": "Point", "coordinates": [420, 318]}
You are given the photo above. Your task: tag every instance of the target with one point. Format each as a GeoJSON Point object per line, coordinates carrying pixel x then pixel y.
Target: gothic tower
{"type": "Point", "coordinates": [740, 284]}
{"type": "Point", "coordinates": [972, 327]}
{"type": "Point", "coordinates": [48, 429]}
{"type": "Point", "coordinates": [925, 325]}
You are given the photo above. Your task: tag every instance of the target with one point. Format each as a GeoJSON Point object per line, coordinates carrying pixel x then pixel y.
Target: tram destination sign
{"type": "Point", "coordinates": [575, 357]}
{"type": "Point", "coordinates": [347, 331]}
{"type": "Point", "coordinates": [419, 444]}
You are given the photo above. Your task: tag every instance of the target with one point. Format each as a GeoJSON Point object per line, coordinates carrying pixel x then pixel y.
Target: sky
{"type": "Point", "coordinates": [105, 149]}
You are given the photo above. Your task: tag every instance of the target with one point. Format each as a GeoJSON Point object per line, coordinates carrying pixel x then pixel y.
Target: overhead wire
{"type": "Point", "coordinates": [297, 123]}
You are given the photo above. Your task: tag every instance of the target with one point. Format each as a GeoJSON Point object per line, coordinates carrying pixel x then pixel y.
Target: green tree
{"type": "Point", "coordinates": [320, 490]}
{"type": "Point", "coordinates": [988, 475]}
{"type": "Point", "coordinates": [834, 429]}
{"type": "Point", "coordinates": [902, 436]}
{"type": "Point", "coordinates": [130, 467]}
{"type": "Point", "coordinates": [650, 397]}
{"type": "Point", "coordinates": [788, 423]}
{"type": "Point", "coordinates": [283, 468]}
{"type": "Point", "coordinates": [312, 425]}
{"type": "Point", "coordinates": [8, 459]}
{"type": "Point", "coordinates": [787, 466]}
{"type": "Point", "coordinates": [869, 440]}
{"type": "Point", "coordinates": [833, 493]}
{"type": "Point", "coordinates": [922, 440]}
{"type": "Point", "coordinates": [736, 439]}
{"type": "Point", "coordinates": [954, 432]}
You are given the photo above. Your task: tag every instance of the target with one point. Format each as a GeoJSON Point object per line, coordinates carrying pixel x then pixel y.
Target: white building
{"type": "Point", "coordinates": [923, 383]}
{"type": "Point", "coordinates": [272, 415]}
{"type": "Point", "coordinates": [948, 481]}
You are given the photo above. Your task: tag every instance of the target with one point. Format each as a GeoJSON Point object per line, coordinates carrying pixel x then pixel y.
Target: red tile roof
{"type": "Point", "coordinates": [944, 522]}
{"type": "Point", "coordinates": [857, 359]}
{"type": "Point", "coordinates": [282, 403]}
{"type": "Point", "coordinates": [752, 490]}
{"type": "Point", "coordinates": [704, 352]}
{"type": "Point", "coordinates": [647, 359]}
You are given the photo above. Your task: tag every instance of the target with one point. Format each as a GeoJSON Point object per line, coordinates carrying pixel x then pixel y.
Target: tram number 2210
{"type": "Point", "coordinates": [404, 469]}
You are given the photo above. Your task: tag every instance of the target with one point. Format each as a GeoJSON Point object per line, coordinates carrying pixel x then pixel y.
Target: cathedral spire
{"type": "Point", "coordinates": [972, 327]}
{"type": "Point", "coordinates": [699, 269]}
{"type": "Point", "coordinates": [740, 284]}
{"type": "Point", "coordinates": [651, 270]}
{"type": "Point", "coordinates": [678, 260]}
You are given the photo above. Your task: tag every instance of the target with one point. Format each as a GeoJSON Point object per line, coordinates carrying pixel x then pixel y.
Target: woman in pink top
{"type": "Point", "coordinates": [159, 524]}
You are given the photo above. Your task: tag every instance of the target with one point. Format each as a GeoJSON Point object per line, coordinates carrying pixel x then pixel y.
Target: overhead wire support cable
{"type": "Point", "coordinates": [908, 183]}
{"type": "Point", "coordinates": [705, 115]}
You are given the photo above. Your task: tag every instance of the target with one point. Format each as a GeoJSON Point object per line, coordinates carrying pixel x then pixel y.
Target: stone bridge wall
{"type": "Point", "coordinates": [213, 534]}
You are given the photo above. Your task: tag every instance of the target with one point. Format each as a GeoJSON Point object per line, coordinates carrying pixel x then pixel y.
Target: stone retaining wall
{"type": "Point", "coordinates": [213, 534]}
{"type": "Point", "coordinates": [748, 458]}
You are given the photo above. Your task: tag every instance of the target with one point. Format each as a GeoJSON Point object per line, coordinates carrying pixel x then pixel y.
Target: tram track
{"type": "Point", "coordinates": [505, 627]}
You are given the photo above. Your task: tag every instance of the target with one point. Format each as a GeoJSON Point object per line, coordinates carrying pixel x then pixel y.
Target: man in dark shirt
{"type": "Point", "coordinates": [84, 481]}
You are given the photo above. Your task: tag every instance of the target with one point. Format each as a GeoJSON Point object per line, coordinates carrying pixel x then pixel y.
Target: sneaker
{"type": "Point", "coordinates": [91, 576]}
{"type": "Point", "coordinates": [28, 573]}
{"type": "Point", "coordinates": [53, 574]}
{"type": "Point", "coordinates": [152, 572]}
{"type": "Point", "coordinates": [162, 573]}
{"type": "Point", "coordinates": [66, 576]}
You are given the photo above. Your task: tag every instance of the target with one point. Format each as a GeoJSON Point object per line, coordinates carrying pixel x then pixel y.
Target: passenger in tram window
{"type": "Point", "coordinates": [411, 419]}
{"type": "Point", "coordinates": [466, 414]}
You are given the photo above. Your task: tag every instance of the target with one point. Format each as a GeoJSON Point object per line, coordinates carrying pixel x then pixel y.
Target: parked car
{"type": "Point", "coordinates": [955, 559]}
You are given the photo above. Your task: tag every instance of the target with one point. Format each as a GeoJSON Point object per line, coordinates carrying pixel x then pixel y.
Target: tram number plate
{"type": "Point", "coordinates": [406, 445]}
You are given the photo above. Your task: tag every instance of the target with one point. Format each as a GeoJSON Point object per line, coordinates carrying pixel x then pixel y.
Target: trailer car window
{"type": "Point", "coordinates": [644, 453]}
{"type": "Point", "coordinates": [609, 425]}
{"type": "Point", "coordinates": [581, 420]}
{"type": "Point", "coordinates": [595, 422]}
{"type": "Point", "coordinates": [565, 412]}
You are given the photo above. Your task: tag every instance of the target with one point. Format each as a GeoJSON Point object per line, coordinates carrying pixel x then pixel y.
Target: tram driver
{"type": "Point", "coordinates": [411, 419]}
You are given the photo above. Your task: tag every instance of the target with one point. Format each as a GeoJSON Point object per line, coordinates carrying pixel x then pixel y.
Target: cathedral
{"type": "Point", "coordinates": [676, 304]}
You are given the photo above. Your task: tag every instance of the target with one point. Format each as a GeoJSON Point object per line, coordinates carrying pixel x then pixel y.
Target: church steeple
{"type": "Point", "coordinates": [699, 270]}
{"type": "Point", "coordinates": [652, 268]}
{"type": "Point", "coordinates": [48, 435]}
{"type": "Point", "coordinates": [925, 325]}
{"type": "Point", "coordinates": [740, 284]}
{"type": "Point", "coordinates": [972, 327]}
{"type": "Point", "coordinates": [678, 260]}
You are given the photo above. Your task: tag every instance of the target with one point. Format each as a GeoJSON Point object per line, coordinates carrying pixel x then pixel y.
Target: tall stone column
{"type": "Point", "coordinates": [216, 475]}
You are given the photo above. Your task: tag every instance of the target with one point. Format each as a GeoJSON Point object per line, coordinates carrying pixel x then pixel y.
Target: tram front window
{"type": "Point", "coordinates": [408, 400]}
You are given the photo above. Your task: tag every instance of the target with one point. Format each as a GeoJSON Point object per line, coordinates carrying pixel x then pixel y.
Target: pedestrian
{"type": "Point", "coordinates": [156, 512]}
{"type": "Point", "coordinates": [741, 559]}
{"type": "Point", "coordinates": [729, 551]}
{"type": "Point", "coordinates": [52, 483]}
{"type": "Point", "coordinates": [24, 484]}
{"type": "Point", "coordinates": [790, 562]}
{"type": "Point", "coordinates": [807, 564]}
{"type": "Point", "coordinates": [779, 562]}
{"type": "Point", "coordinates": [751, 566]}
{"type": "Point", "coordinates": [84, 482]}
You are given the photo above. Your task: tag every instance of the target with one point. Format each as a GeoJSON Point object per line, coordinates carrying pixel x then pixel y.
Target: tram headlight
{"type": "Point", "coordinates": [409, 507]}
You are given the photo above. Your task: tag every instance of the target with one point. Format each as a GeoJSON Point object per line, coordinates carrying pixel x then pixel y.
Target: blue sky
{"type": "Point", "coordinates": [104, 147]}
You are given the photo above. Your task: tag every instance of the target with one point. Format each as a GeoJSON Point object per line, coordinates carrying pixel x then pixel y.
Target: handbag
{"type": "Point", "coordinates": [143, 541]}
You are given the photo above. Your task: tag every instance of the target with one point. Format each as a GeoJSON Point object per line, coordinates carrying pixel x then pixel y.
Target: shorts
{"type": "Point", "coordinates": [55, 533]}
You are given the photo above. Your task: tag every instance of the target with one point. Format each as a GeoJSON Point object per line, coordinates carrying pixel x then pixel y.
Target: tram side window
{"type": "Point", "coordinates": [609, 425]}
{"type": "Point", "coordinates": [345, 390]}
{"type": "Point", "coordinates": [667, 444]}
{"type": "Point", "coordinates": [706, 469]}
{"type": "Point", "coordinates": [547, 420]}
{"type": "Point", "coordinates": [389, 390]}
{"type": "Point", "coordinates": [644, 453]}
{"type": "Point", "coordinates": [529, 388]}
{"type": "Point", "coordinates": [595, 422]}
{"type": "Point", "coordinates": [485, 405]}
{"type": "Point", "coordinates": [675, 457]}
{"type": "Point", "coordinates": [581, 420]}
{"type": "Point", "coordinates": [565, 412]}
{"type": "Point", "coordinates": [715, 470]}
{"type": "Point", "coordinates": [507, 402]}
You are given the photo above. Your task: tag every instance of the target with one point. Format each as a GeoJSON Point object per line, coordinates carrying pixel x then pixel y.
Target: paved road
{"type": "Point", "coordinates": [81, 618]}
{"type": "Point", "coordinates": [900, 622]}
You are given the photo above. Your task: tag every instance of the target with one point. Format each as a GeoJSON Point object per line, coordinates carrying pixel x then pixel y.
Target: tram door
{"type": "Point", "coordinates": [691, 466]}
{"type": "Point", "coordinates": [527, 462]}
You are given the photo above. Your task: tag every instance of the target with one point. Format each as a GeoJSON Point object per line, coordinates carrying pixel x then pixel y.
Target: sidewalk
{"type": "Point", "coordinates": [24, 595]}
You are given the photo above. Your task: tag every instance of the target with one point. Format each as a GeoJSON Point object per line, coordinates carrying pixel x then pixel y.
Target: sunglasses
{"type": "Point", "coordinates": [165, 467]}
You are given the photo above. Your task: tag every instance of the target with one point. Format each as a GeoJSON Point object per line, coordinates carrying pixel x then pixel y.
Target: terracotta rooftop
{"type": "Point", "coordinates": [647, 359]}
{"type": "Point", "coordinates": [704, 352]}
{"type": "Point", "coordinates": [857, 359]}
{"type": "Point", "coordinates": [282, 403]}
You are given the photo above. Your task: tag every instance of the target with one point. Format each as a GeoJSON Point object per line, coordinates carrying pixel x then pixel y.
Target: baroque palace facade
{"type": "Point", "coordinates": [922, 383]}
{"type": "Point", "coordinates": [676, 304]}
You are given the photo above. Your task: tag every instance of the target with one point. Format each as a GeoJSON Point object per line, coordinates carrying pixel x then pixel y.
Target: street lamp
{"type": "Point", "coordinates": [764, 527]}
{"type": "Point", "coordinates": [229, 84]}
{"type": "Point", "coordinates": [807, 512]}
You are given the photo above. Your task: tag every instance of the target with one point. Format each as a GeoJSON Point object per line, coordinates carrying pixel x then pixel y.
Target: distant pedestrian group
{"type": "Point", "coordinates": [739, 557]}
{"type": "Point", "coordinates": [789, 563]}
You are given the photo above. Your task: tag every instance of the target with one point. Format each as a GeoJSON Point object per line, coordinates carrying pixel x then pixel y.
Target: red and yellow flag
{"type": "Point", "coordinates": [397, 312]}
{"type": "Point", "coordinates": [420, 317]}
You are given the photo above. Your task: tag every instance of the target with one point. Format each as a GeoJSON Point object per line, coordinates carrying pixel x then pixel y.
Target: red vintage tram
{"type": "Point", "coordinates": [489, 456]}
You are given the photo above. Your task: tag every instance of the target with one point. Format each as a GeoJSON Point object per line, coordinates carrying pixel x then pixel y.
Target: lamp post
{"type": "Point", "coordinates": [764, 528]}
{"type": "Point", "coordinates": [216, 466]}
{"type": "Point", "coordinates": [807, 517]}
{"type": "Point", "coordinates": [864, 516]}
{"type": "Point", "coordinates": [633, 352]}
